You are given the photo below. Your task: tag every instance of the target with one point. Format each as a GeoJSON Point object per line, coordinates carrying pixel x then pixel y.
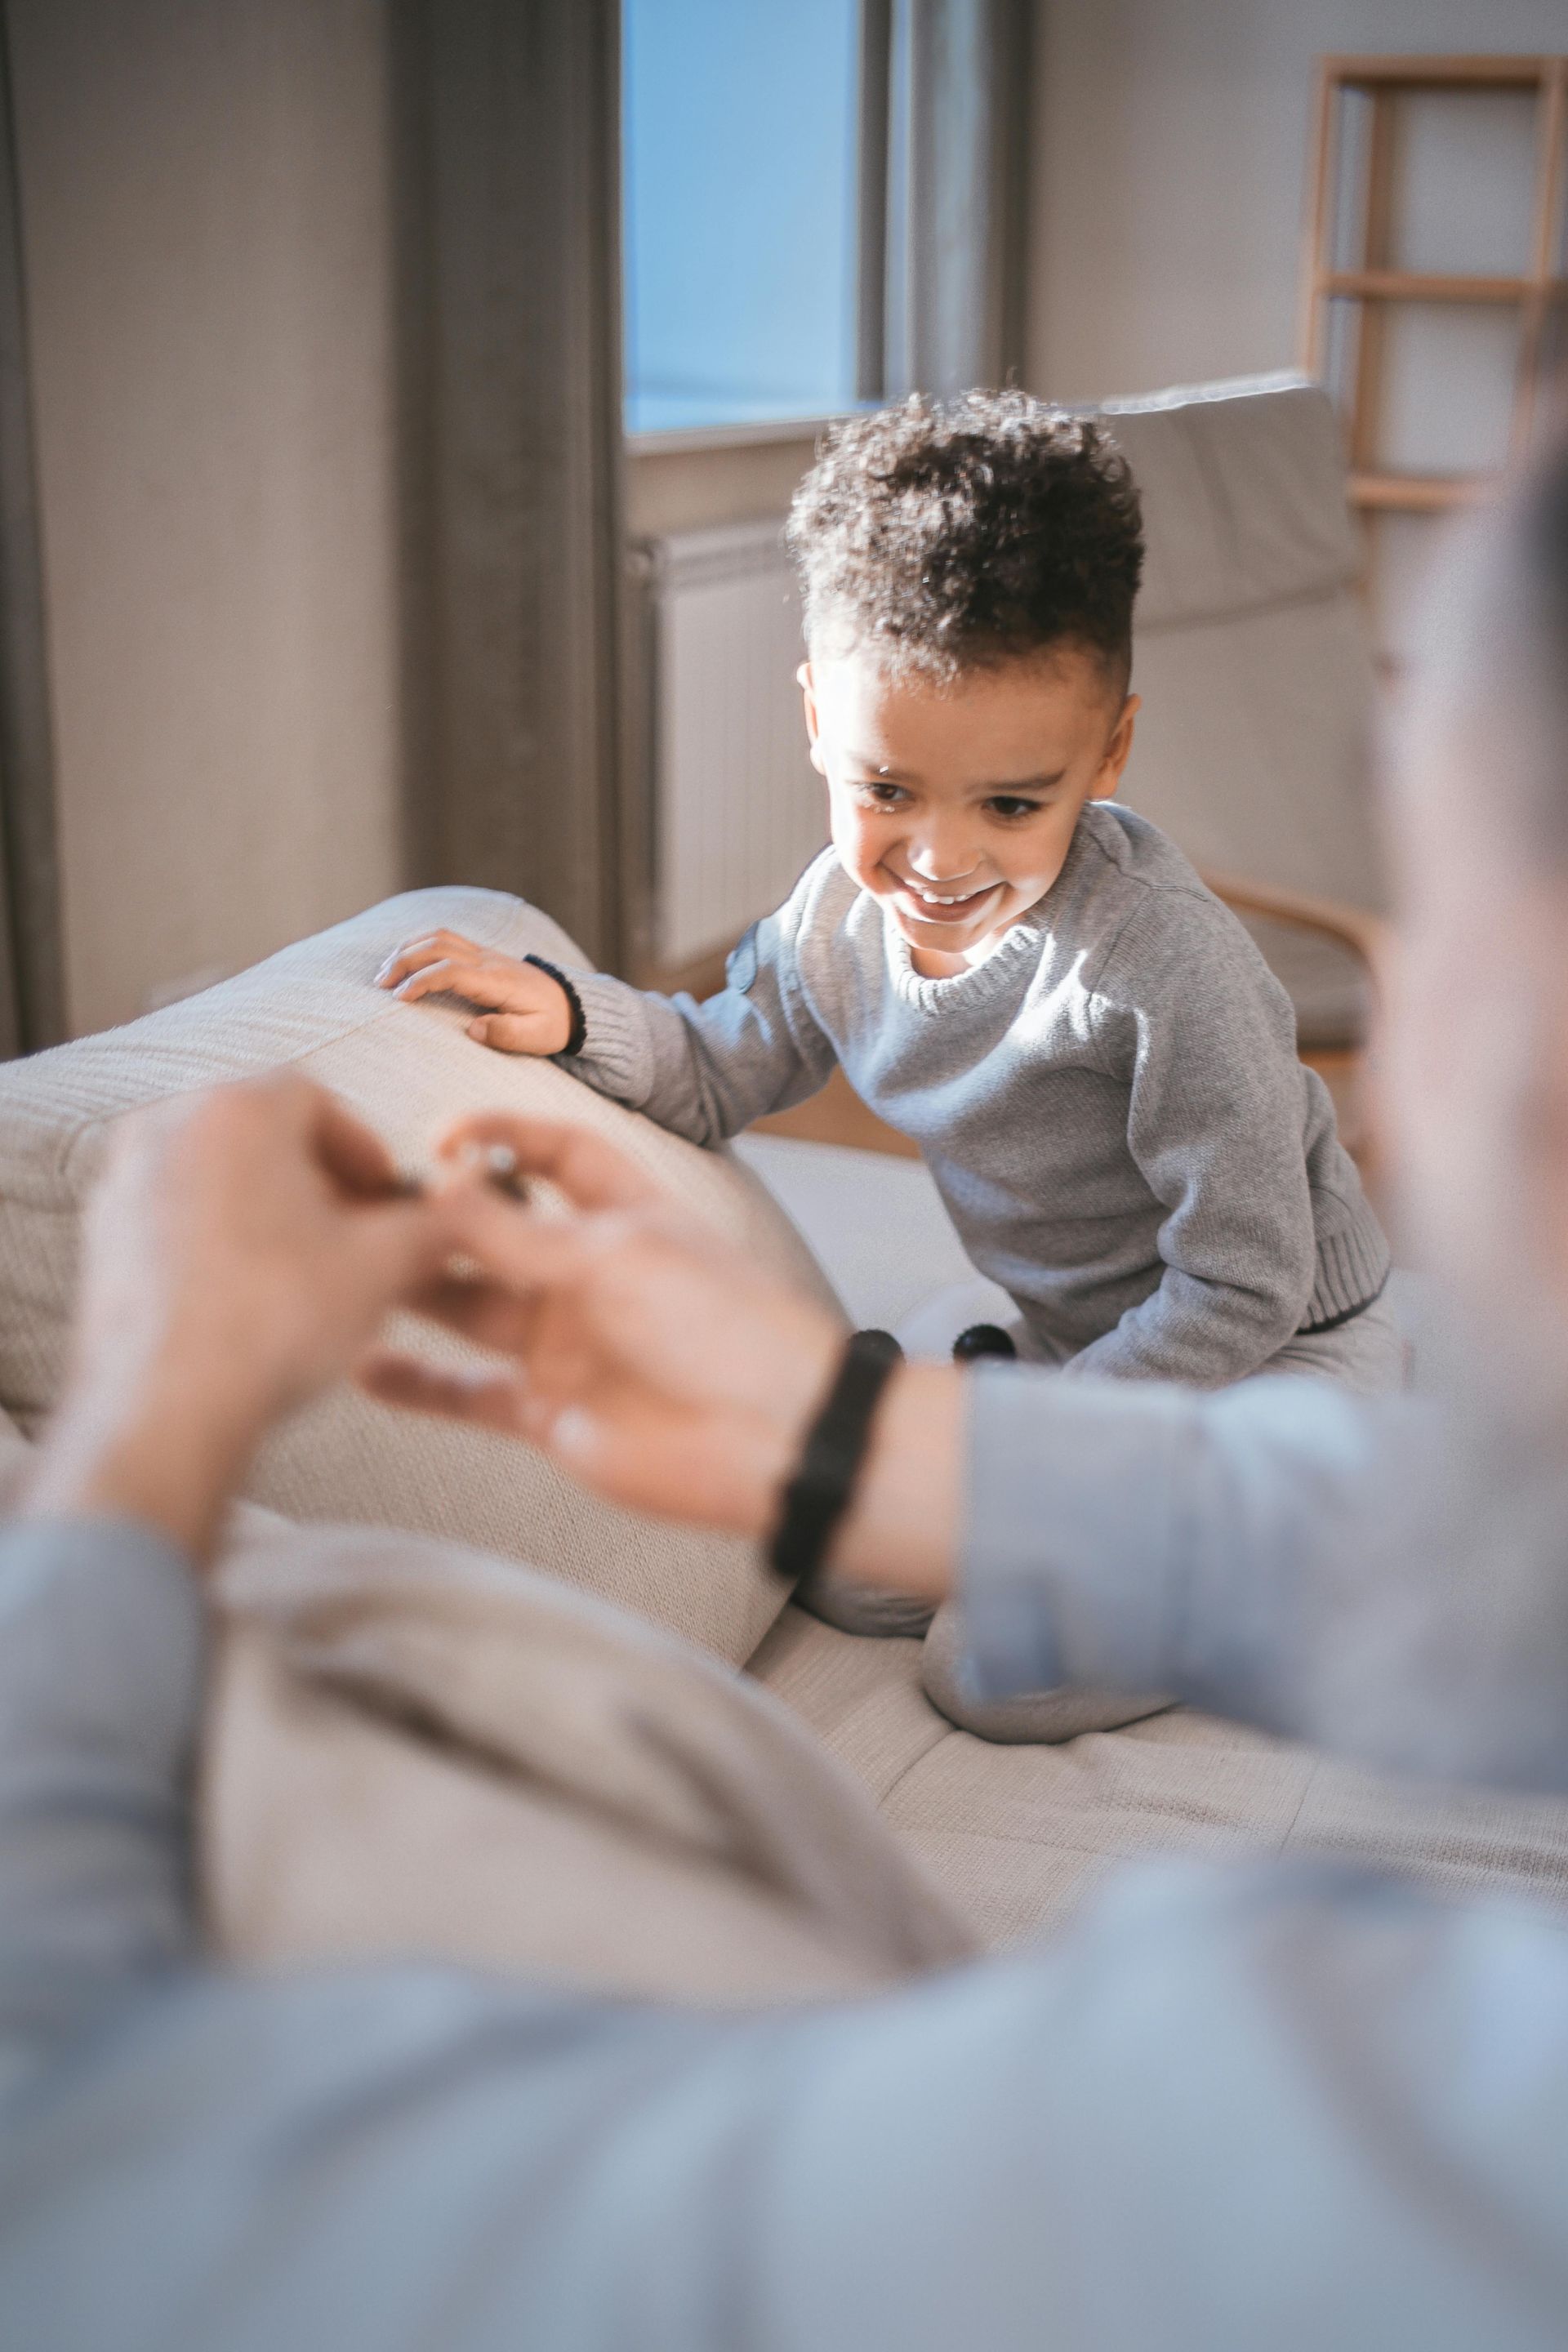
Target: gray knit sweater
{"type": "Point", "coordinates": [1111, 1104]}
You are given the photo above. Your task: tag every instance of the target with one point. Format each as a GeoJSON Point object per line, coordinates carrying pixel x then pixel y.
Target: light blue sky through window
{"type": "Point", "coordinates": [739, 158]}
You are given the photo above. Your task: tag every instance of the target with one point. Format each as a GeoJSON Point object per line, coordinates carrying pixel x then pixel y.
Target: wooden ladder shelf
{"type": "Point", "coordinates": [1377, 284]}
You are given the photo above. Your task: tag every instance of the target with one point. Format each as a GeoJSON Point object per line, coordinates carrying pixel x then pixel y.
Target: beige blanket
{"type": "Point", "coordinates": [416, 1750]}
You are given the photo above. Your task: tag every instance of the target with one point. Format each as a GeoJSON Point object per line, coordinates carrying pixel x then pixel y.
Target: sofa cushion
{"type": "Point", "coordinates": [1018, 1836]}
{"type": "Point", "coordinates": [408, 1070]}
{"type": "Point", "coordinates": [861, 1696]}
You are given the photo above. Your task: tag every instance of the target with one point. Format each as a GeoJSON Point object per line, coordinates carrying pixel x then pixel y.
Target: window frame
{"type": "Point", "coordinates": [940, 228]}
{"type": "Point", "coordinates": [868, 234]}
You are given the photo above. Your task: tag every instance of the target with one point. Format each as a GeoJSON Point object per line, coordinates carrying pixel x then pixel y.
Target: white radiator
{"type": "Point", "coordinates": [737, 807]}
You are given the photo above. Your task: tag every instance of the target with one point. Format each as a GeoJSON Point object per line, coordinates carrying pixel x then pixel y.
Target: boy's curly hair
{"type": "Point", "coordinates": [945, 536]}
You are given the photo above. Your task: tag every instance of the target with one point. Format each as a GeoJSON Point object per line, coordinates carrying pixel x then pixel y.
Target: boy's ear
{"type": "Point", "coordinates": [1108, 782]}
{"type": "Point", "coordinates": [813, 724]}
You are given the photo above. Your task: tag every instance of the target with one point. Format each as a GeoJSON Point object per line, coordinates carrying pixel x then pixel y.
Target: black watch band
{"type": "Point", "coordinates": [819, 1495]}
{"type": "Point", "coordinates": [576, 1036]}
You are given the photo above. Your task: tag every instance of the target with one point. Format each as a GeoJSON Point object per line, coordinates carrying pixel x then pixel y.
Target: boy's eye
{"type": "Point", "coordinates": [883, 796]}
{"type": "Point", "coordinates": [1008, 805]}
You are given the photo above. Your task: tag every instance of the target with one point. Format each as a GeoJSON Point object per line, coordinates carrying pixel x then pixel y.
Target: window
{"type": "Point", "coordinates": [740, 134]}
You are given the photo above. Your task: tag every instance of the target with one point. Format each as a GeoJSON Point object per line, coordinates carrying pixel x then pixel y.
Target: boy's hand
{"type": "Point", "coordinates": [526, 1011]}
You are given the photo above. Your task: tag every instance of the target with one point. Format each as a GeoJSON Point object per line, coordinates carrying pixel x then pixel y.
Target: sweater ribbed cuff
{"type": "Point", "coordinates": [577, 1032]}
{"type": "Point", "coordinates": [1353, 1268]}
{"type": "Point", "coordinates": [616, 1053]}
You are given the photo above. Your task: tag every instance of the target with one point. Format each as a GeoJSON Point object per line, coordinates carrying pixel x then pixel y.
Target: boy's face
{"type": "Point", "coordinates": [956, 805]}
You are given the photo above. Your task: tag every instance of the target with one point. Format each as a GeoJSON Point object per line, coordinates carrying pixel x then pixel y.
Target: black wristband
{"type": "Point", "coordinates": [576, 1036]}
{"type": "Point", "coordinates": [819, 1495]}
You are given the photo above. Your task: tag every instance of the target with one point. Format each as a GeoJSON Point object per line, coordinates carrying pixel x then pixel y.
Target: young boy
{"type": "Point", "coordinates": [1035, 985]}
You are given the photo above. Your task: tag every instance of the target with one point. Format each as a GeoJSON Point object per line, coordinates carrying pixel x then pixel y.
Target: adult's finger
{"type": "Point", "coordinates": [487, 1400]}
{"type": "Point", "coordinates": [592, 1173]}
{"type": "Point", "coordinates": [401, 1235]}
{"type": "Point", "coordinates": [492, 1313]}
{"type": "Point", "coordinates": [524, 1251]}
{"type": "Point", "coordinates": [704, 1468]}
{"type": "Point", "coordinates": [351, 1153]}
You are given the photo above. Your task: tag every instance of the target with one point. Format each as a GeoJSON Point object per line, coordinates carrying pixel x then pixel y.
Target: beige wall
{"type": "Point", "coordinates": [205, 232]}
{"type": "Point", "coordinates": [1168, 166]}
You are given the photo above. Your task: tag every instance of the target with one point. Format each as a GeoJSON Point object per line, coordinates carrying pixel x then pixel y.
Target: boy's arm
{"type": "Point", "coordinates": [1215, 1125]}
{"type": "Point", "coordinates": [706, 1071]}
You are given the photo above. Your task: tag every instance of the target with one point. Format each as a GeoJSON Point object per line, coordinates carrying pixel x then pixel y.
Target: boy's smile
{"type": "Point", "coordinates": [955, 804]}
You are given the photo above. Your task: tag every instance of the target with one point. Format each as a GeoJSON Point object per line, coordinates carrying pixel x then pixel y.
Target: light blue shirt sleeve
{"type": "Point", "coordinates": [100, 1646]}
{"type": "Point", "coordinates": [1358, 1572]}
{"type": "Point", "coordinates": [1230, 2108]}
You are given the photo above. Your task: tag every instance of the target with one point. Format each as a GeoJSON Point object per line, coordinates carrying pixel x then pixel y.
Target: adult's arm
{"type": "Point", "coordinates": [1227, 2113]}
{"type": "Point", "coordinates": [1363, 1573]}
{"type": "Point", "coordinates": [1228, 2109]}
{"type": "Point", "coordinates": [1282, 1551]}
{"type": "Point", "coordinates": [100, 1646]}
{"type": "Point", "coordinates": [242, 1251]}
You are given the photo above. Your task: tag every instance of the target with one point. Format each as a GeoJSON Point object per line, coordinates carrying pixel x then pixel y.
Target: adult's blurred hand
{"type": "Point", "coordinates": [655, 1363]}
{"type": "Point", "coordinates": [658, 1366]}
{"type": "Point", "coordinates": [238, 1254]}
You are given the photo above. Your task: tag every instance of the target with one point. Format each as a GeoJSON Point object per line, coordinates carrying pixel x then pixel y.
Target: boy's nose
{"type": "Point", "coordinates": [941, 862]}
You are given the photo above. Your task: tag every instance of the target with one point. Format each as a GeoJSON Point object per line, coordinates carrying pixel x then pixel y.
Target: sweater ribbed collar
{"type": "Point", "coordinates": [1019, 946]}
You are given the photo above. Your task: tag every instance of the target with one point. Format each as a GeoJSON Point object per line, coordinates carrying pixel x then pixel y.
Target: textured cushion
{"type": "Point", "coordinates": [1243, 496]}
{"type": "Point", "coordinates": [1251, 752]}
{"type": "Point", "coordinates": [1019, 1835]}
{"type": "Point", "coordinates": [408, 1070]}
{"type": "Point", "coordinates": [861, 1696]}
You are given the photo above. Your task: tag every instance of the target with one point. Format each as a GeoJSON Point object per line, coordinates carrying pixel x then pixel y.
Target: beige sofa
{"type": "Point", "coordinates": [1016, 1834]}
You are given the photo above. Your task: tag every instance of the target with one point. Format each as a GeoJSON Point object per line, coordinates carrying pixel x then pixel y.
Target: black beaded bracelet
{"type": "Point", "coordinates": [577, 1033]}
{"type": "Point", "coordinates": [819, 1495]}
